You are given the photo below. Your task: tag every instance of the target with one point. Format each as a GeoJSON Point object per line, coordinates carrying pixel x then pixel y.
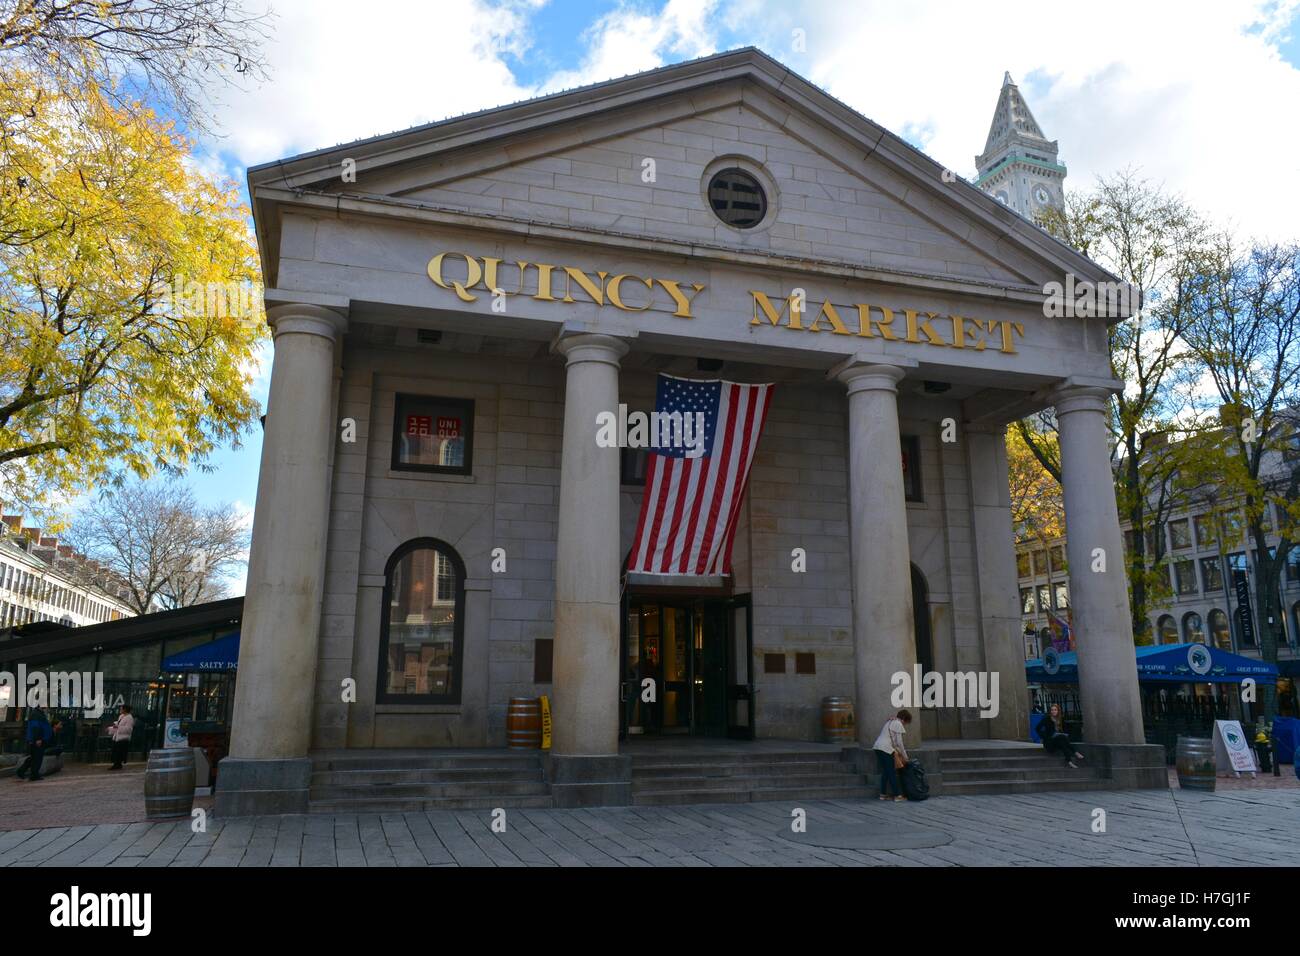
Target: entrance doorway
{"type": "Point", "coordinates": [698, 652]}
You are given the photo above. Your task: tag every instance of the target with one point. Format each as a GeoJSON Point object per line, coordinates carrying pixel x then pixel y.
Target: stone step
{"type": "Point", "coordinates": [440, 775]}
{"type": "Point", "coordinates": [699, 768]}
{"type": "Point", "coordinates": [681, 797]}
{"type": "Point", "coordinates": [731, 758]}
{"type": "Point", "coordinates": [423, 804]}
{"type": "Point", "coordinates": [996, 753]}
{"type": "Point", "coordinates": [969, 788]}
{"type": "Point", "coordinates": [419, 761]}
{"type": "Point", "coordinates": [995, 763]}
{"type": "Point", "coordinates": [496, 790]}
{"type": "Point", "coordinates": [1036, 773]}
{"type": "Point", "coordinates": [755, 782]}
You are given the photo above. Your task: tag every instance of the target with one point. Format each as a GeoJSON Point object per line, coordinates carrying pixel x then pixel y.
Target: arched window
{"type": "Point", "coordinates": [921, 621]}
{"type": "Point", "coordinates": [423, 627]}
{"type": "Point", "coordinates": [1167, 629]}
{"type": "Point", "coordinates": [1193, 629]}
{"type": "Point", "coordinates": [1220, 632]}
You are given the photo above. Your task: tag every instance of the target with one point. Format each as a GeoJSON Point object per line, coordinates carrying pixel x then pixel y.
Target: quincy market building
{"type": "Point", "coordinates": [438, 531]}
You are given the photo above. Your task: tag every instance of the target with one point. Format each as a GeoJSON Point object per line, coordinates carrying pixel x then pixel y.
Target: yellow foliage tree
{"type": "Point", "coordinates": [128, 295]}
{"type": "Point", "coordinates": [1037, 505]}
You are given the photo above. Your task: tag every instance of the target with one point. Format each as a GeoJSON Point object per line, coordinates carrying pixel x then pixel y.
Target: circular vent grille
{"type": "Point", "coordinates": [737, 198]}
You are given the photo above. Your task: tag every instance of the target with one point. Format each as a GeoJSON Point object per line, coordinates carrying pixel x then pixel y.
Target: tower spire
{"type": "Point", "coordinates": [1019, 164]}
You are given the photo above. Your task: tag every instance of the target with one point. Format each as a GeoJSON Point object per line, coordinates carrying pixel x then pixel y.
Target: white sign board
{"type": "Point", "coordinates": [172, 736]}
{"type": "Point", "coordinates": [1232, 751]}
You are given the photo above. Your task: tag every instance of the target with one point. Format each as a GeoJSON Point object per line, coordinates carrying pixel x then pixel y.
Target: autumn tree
{"type": "Point", "coordinates": [170, 53]}
{"type": "Point", "coordinates": [171, 550]}
{"type": "Point", "coordinates": [1037, 503]}
{"type": "Point", "coordinates": [1152, 241]}
{"type": "Point", "coordinates": [1245, 334]}
{"type": "Point", "coordinates": [128, 297]}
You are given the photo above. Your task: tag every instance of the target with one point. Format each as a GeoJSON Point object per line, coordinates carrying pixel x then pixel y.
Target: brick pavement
{"type": "Point", "coordinates": [1237, 827]}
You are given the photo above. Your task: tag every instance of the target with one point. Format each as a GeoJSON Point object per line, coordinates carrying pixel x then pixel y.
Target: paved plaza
{"type": "Point", "coordinates": [1142, 828]}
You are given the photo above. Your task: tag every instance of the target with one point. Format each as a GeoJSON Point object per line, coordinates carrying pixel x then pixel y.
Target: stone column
{"type": "Point", "coordinates": [995, 573]}
{"type": "Point", "coordinates": [268, 770]}
{"type": "Point", "coordinates": [1108, 686]}
{"type": "Point", "coordinates": [884, 637]}
{"type": "Point", "coordinates": [585, 766]}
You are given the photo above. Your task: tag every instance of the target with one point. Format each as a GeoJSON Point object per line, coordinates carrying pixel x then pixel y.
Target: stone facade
{"type": "Point", "coordinates": [547, 261]}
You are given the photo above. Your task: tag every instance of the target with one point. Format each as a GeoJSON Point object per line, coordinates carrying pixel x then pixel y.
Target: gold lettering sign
{"type": "Point", "coordinates": [470, 277]}
{"type": "Point", "coordinates": [878, 321]}
{"type": "Point", "coordinates": [567, 284]}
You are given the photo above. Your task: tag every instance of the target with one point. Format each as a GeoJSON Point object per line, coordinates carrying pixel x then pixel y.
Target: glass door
{"type": "Point", "coordinates": [740, 691]}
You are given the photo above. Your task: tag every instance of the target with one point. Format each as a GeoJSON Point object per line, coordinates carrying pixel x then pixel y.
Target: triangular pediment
{"type": "Point", "coordinates": [633, 157]}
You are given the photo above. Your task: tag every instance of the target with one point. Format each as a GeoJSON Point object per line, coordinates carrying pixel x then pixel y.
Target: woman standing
{"type": "Point", "coordinates": [891, 754]}
{"type": "Point", "coordinates": [1051, 731]}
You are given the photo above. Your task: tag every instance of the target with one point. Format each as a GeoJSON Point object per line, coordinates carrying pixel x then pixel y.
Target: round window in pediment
{"type": "Point", "coordinates": [737, 198]}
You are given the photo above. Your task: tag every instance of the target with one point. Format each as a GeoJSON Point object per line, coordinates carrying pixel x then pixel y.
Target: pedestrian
{"type": "Point", "coordinates": [891, 755]}
{"type": "Point", "coordinates": [120, 732]}
{"type": "Point", "coordinates": [39, 736]}
{"type": "Point", "coordinates": [1051, 731]}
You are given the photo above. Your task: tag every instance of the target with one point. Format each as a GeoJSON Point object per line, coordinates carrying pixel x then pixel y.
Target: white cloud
{"type": "Point", "coordinates": [342, 71]}
{"type": "Point", "coordinates": [1194, 94]}
{"type": "Point", "coordinates": [630, 39]}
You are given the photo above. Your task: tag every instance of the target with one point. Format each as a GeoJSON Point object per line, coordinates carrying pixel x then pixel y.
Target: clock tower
{"type": "Point", "coordinates": [1018, 166]}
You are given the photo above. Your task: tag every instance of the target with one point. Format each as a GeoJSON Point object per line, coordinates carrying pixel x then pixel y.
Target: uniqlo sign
{"type": "Point", "coordinates": [421, 425]}
{"type": "Point", "coordinates": [448, 427]}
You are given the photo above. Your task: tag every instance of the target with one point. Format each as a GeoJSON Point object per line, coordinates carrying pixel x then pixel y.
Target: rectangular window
{"type": "Point", "coordinates": [433, 434]}
{"type": "Point", "coordinates": [1205, 533]}
{"type": "Point", "coordinates": [1180, 534]}
{"type": "Point", "coordinates": [1058, 558]}
{"type": "Point", "coordinates": [1293, 564]}
{"type": "Point", "coordinates": [1022, 564]}
{"type": "Point", "coordinates": [911, 467]}
{"type": "Point", "coordinates": [1045, 598]}
{"type": "Point", "coordinates": [1212, 574]}
{"type": "Point", "coordinates": [1233, 527]}
{"type": "Point", "coordinates": [1040, 562]}
{"type": "Point", "coordinates": [632, 465]}
{"type": "Point", "coordinates": [1026, 600]}
{"type": "Point", "coordinates": [805, 663]}
{"type": "Point", "coordinates": [773, 663]}
{"type": "Point", "coordinates": [1185, 577]}
{"type": "Point", "coordinates": [543, 649]}
{"type": "Point", "coordinates": [1062, 596]}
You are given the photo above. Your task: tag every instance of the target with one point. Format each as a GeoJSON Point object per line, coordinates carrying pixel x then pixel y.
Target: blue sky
{"type": "Point", "coordinates": [1184, 90]}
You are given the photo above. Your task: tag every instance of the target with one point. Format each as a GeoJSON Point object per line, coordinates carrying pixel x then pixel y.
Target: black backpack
{"type": "Point", "coordinates": [912, 778]}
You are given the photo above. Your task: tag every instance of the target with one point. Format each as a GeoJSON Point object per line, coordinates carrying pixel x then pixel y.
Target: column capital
{"type": "Point", "coordinates": [859, 376]}
{"type": "Point", "coordinates": [306, 319]}
{"type": "Point", "coordinates": [590, 347]}
{"type": "Point", "coordinates": [1081, 398]}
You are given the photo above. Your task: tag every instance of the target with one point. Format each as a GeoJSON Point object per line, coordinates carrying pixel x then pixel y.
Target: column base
{"type": "Point", "coordinates": [257, 787]}
{"type": "Point", "coordinates": [1129, 766]}
{"type": "Point", "coordinates": [863, 761]}
{"type": "Point", "coordinates": [604, 781]}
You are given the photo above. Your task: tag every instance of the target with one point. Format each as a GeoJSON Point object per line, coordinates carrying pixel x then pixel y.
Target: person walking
{"type": "Point", "coordinates": [39, 736]}
{"type": "Point", "coordinates": [1051, 731]}
{"type": "Point", "coordinates": [891, 755]}
{"type": "Point", "coordinates": [120, 732]}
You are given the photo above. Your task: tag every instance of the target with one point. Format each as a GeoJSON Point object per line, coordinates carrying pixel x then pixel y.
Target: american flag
{"type": "Point", "coordinates": [690, 504]}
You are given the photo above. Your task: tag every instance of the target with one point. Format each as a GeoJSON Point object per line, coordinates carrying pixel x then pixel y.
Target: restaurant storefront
{"type": "Point", "coordinates": [460, 309]}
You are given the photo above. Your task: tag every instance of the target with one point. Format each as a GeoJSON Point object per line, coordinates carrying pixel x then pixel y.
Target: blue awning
{"type": "Point", "coordinates": [1165, 663]}
{"type": "Point", "coordinates": [219, 655]}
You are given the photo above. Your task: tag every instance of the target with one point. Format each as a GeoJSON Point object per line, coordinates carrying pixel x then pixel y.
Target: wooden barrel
{"type": "Point", "coordinates": [837, 720]}
{"type": "Point", "coordinates": [524, 723]}
{"type": "Point", "coordinates": [169, 784]}
{"type": "Point", "coordinates": [1195, 761]}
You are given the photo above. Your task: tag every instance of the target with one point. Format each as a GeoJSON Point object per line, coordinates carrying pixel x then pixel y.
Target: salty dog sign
{"type": "Point", "coordinates": [471, 277]}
